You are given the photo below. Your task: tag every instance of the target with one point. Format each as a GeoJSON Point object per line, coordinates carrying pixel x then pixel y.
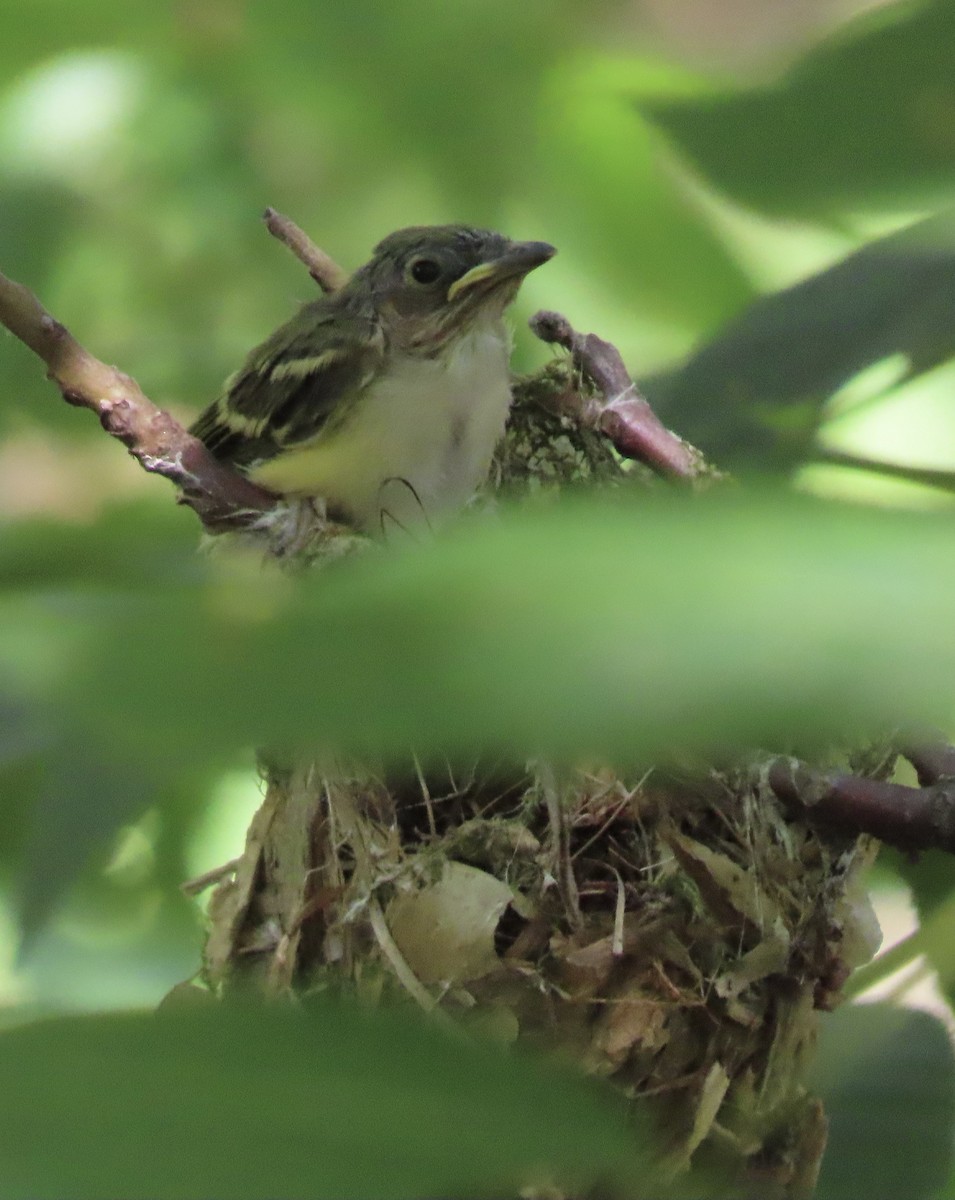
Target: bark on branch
{"type": "Point", "coordinates": [323, 269]}
{"type": "Point", "coordinates": [221, 497]}
{"type": "Point", "coordinates": [621, 412]}
{"type": "Point", "coordinates": [910, 818]}
{"type": "Point", "coordinates": [930, 754]}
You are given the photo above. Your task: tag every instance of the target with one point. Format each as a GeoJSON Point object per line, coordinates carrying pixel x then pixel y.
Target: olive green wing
{"type": "Point", "coordinates": [297, 383]}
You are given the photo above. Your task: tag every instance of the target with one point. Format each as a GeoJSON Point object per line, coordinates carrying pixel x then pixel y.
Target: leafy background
{"type": "Point", "coordinates": [753, 198]}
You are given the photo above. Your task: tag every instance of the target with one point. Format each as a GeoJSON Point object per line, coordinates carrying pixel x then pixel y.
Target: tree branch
{"type": "Point", "coordinates": [221, 497]}
{"type": "Point", "coordinates": [322, 267]}
{"type": "Point", "coordinates": [937, 477]}
{"type": "Point", "coordinates": [623, 414]}
{"type": "Point", "coordinates": [907, 817]}
{"type": "Point", "coordinates": [929, 753]}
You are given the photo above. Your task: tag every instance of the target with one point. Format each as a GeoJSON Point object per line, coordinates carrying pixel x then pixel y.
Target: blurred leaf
{"type": "Point", "coordinates": [616, 630]}
{"type": "Point", "coordinates": [621, 211]}
{"type": "Point", "coordinates": [140, 542]}
{"type": "Point", "coordinates": [795, 348]}
{"type": "Point", "coordinates": [21, 733]}
{"type": "Point", "coordinates": [604, 628]}
{"type": "Point", "coordinates": [936, 920]}
{"type": "Point", "coordinates": [88, 791]}
{"type": "Point", "coordinates": [35, 217]}
{"type": "Point", "coordinates": [25, 736]}
{"type": "Point", "coordinates": [244, 1104]}
{"type": "Point", "coordinates": [930, 875]}
{"type": "Point", "coordinates": [451, 88]}
{"type": "Point", "coordinates": [867, 117]}
{"type": "Point", "coordinates": [887, 1076]}
{"type": "Point", "coordinates": [59, 25]}
{"type": "Point", "coordinates": [619, 630]}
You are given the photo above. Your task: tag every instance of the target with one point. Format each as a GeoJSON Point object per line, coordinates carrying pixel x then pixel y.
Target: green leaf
{"type": "Point", "coordinates": [621, 213]}
{"type": "Point", "coordinates": [619, 630]}
{"type": "Point", "coordinates": [87, 792]}
{"type": "Point", "coordinates": [255, 1104]}
{"type": "Point", "coordinates": [20, 731]}
{"type": "Point", "coordinates": [934, 936]}
{"type": "Point", "coordinates": [930, 875]}
{"type": "Point", "coordinates": [142, 542]}
{"type": "Point", "coordinates": [450, 90]}
{"type": "Point", "coordinates": [794, 349]}
{"type": "Point", "coordinates": [932, 879]}
{"type": "Point", "coordinates": [864, 119]}
{"type": "Point", "coordinates": [887, 1076]}
{"type": "Point", "coordinates": [607, 628]}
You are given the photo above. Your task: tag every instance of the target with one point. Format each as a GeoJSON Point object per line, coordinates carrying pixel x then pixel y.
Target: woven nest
{"type": "Point", "coordinates": [676, 933]}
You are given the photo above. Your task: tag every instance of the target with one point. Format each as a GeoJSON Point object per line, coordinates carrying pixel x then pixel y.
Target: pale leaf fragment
{"type": "Point", "coordinates": [446, 931]}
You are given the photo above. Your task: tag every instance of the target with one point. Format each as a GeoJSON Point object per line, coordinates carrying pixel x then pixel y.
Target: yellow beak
{"type": "Point", "coordinates": [518, 260]}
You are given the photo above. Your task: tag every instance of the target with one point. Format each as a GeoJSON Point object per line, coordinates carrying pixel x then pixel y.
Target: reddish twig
{"type": "Point", "coordinates": [907, 817]}
{"type": "Point", "coordinates": [622, 414]}
{"type": "Point", "coordinates": [930, 754]}
{"type": "Point", "coordinates": [221, 497]}
{"type": "Point", "coordinates": [322, 267]}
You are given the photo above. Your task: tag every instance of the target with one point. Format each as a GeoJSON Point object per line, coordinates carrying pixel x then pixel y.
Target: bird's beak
{"type": "Point", "coordinates": [518, 260]}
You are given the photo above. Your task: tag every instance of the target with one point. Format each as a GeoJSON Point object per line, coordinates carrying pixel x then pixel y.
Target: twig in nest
{"type": "Point", "coordinates": [399, 964]}
{"type": "Point", "coordinates": [195, 887]}
{"type": "Point", "coordinates": [559, 820]}
{"type": "Point", "coordinates": [621, 413]}
{"type": "Point", "coordinates": [619, 914]}
{"type": "Point", "coordinates": [907, 817]}
{"type": "Point", "coordinates": [323, 269]}
{"type": "Point", "coordinates": [221, 497]}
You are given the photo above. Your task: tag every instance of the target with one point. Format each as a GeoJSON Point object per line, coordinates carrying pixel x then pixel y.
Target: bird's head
{"type": "Point", "coordinates": [431, 283]}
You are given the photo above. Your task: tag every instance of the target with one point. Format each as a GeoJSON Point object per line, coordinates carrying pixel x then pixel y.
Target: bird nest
{"type": "Point", "coordinates": [675, 933]}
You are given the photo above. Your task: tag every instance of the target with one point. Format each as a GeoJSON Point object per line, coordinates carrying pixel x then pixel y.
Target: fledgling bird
{"type": "Point", "coordinates": [387, 397]}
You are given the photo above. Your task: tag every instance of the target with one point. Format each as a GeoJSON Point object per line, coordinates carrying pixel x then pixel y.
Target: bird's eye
{"type": "Point", "coordinates": [425, 270]}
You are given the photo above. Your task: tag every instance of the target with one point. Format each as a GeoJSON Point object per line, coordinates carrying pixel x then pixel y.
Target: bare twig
{"type": "Point", "coordinates": [932, 756]}
{"type": "Point", "coordinates": [558, 818]}
{"type": "Point", "coordinates": [907, 817]}
{"type": "Point", "coordinates": [221, 497]}
{"type": "Point", "coordinates": [399, 964]}
{"type": "Point", "coordinates": [622, 414]}
{"type": "Point", "coordinates": [936, 477]}
{"type": "Point", "coordinates": [616, 948]}
{"type": "Point", "coordinates": [195, 887]}
{"type": "Point", "coordinates": [323, 269]}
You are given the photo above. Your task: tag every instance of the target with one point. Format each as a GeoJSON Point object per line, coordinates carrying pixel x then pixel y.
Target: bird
{"type": "Point", "coordinates": [385, 399]}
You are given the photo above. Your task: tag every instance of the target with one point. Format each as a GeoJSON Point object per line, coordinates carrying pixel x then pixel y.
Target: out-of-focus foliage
{"type": "Point", "coordinates": [478, 639]}
{"type": "Point", "coordinates": [251, 1103]}
{"type": "Point", "coordinates": [889, 1077]}
{"type": "Point", "coordinates": [863, 120]}
{"type": "Point", "coordinates": [770, 248]}
{"type": "Point", "coordinates": [754, 395]}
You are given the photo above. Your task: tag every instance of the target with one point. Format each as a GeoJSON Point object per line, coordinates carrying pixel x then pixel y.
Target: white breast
{"type": "Point", "coordinates": [421, 441]}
